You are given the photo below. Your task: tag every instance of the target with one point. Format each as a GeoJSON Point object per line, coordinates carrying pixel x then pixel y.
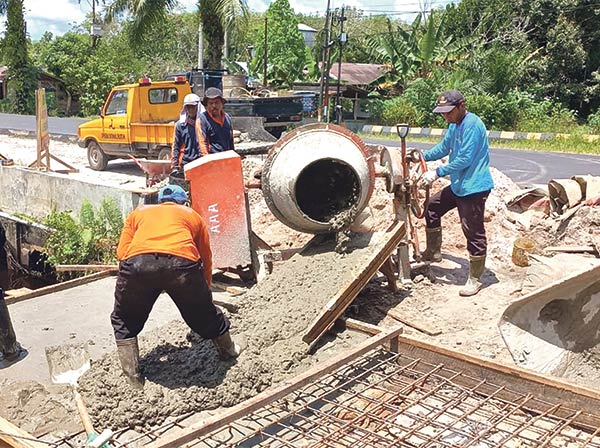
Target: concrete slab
{"type": "Point", "coordinates": [76, 315]}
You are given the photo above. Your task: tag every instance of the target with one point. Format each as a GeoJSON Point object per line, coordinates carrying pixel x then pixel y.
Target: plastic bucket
{"type": "Point", "coordinates": [521, 249]}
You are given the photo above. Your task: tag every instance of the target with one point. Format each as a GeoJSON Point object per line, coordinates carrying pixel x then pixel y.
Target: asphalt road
{"type": "Point", "coordinates": [529, 167]}
{"type": "Point", "coordinates": [62, 126]}
{"type": "Point", "coordinates": [523, 167]}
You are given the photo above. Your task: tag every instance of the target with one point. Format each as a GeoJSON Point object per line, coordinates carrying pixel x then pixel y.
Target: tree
{"type": "Point", "coordinates": [22, 77]}
{"type": "Point", "coordinates": [217, 17]}
{"type": "Point", "coordinates": [285, 45]}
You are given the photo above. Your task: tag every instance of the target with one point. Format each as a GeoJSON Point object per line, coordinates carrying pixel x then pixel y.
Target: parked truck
{"type": "Point", "coordinates": [136, 119]}
{"type": "Point", "coordinates": [139, 119]}
{"type": "Point", "coordinates": [277, 112]}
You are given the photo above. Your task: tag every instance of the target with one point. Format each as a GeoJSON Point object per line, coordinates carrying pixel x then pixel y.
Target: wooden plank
{"type": "Point", "coordinates": [15, 437]}
{"type": "Point", "coordinates": [570, 249]}
{"type": "Point", "coordinates": [223, 287]}
{"type": "Point", "coordinates": [518, 381]}
{"type": "Point", "coordinates": [85, 267]}
{"type": "Point", "coordinates": [60, 286]}
{"type": "Point", "coordinates": [338, 304]}
{"type": "Point", "coordinates": [363, 327]}
{"type": "Point", "coordinates": [417, 326]}
{"type": "Point", "coordinates": [270, 395]}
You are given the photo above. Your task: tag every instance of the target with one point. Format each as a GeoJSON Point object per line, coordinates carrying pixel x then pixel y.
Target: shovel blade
{"type": "Point", "coordinates": [67, 362]}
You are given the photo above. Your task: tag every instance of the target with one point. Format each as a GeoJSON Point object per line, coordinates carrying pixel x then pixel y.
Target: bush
{"type": "Point", "coordinates": [593, 122]}
{"type": "Point", "coordinates": [393, 111]}
{"type": "Point", "coordinates": [546, 116]}
{"type": "Point", "coordinates": [92, 240]}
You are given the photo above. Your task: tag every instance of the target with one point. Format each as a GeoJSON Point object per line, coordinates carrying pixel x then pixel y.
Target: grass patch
{"type": "Point", "coordinates": [573, 144]}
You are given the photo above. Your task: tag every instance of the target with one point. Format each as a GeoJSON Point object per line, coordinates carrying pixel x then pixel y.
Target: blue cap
{"type": "Point", "coordinates": [173, 193]}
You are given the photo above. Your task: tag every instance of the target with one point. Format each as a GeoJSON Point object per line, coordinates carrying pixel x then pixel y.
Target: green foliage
{"type": "Point", "coordinates": [393, 111]}
{"type": "Point", "coordinates": [285, 46]}
{"type": "Point", "coordinates": [90, 73]}
{"type": "Point", "coordinates": [594, 122]}
{"type": "Point", "coordinates": [22, 76]}
{"type": "Point", "coordinates": [546, 116]}
{"type": "Point", "coordinates": [91, 240]}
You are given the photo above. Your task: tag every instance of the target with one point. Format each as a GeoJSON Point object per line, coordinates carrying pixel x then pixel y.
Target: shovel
{"type": "Point", "coordinates": [67, 363]}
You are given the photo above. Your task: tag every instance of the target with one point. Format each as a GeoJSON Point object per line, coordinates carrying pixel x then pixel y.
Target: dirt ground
{"type": "Point", "coordinates": [182, 371]}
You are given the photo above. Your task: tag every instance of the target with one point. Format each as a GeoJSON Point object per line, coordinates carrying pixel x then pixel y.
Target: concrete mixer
{"type": "Point", "coordinates": [316, 179]}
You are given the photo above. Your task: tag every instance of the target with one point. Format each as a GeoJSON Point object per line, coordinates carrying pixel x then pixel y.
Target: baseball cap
{"type": "Point", "coordinates": [173, 193]}
{"type": "Point", "coordinates": [191, 99]}
{"type": "Point", "coordinates": [211, 93]}
{"type": "Point", "coordinates": [448, 100]}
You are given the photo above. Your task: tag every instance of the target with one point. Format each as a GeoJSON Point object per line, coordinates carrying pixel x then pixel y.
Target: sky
{"type": "Point", "coordinates": [58, 16]}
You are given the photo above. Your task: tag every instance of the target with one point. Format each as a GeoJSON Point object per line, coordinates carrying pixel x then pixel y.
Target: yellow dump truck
{"type": "Point", "coordinates": [136, 119]}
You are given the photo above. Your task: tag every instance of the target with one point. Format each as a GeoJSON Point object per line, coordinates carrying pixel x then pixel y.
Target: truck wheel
{"type": "Point", "coordinates": [164, 154]}
{"type": "Point", "coordinates": [96, 157]}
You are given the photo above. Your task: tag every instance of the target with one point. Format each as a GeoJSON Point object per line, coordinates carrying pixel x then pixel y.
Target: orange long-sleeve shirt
{"type": "Point", "coordinates": [166, 228]}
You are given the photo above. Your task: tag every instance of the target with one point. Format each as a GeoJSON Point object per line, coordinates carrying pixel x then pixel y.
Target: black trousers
{"type": "Point", "coordinates": [470, 208]}
{"type": "Point", "coordinates": [142, 278]}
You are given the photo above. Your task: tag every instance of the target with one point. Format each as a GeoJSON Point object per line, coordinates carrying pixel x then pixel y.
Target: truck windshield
{"type": "Point", "coordinates": [117, 104]}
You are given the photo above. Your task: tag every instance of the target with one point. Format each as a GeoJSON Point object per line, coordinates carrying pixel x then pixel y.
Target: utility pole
{"type": "Point", "coordinates": [342, 38]}
{"type": "Point", "coordinates": [265, 55]}
{"type": "Point", "coordinates": [324, 66]}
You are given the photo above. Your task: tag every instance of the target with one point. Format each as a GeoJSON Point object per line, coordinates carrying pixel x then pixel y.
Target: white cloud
{"type": "Point", "coordinates": [58, 16]}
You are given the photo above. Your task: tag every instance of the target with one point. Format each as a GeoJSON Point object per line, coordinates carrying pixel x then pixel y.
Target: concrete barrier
{"type": "Point", "coordinates": [37, 193]}
{"type": "Point", "coordinates": [492, 135]}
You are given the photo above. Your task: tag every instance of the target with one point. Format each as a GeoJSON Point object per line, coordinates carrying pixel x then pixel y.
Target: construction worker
{"type": "Point", "coordinates": [165, 247]}
{"type": "Point", "coordinates": [216, 131]}
{"type": "Point", "coordinates": [471, 181]}
{"type": "Point", "coordinates": [185, 141]}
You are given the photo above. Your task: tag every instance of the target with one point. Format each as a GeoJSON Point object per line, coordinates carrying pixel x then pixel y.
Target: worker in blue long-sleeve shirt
{"type": "Point", "coordinates": [468, 166]}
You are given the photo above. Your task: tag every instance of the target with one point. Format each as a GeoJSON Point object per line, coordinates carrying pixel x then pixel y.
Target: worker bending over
{"type": "Point", "coordinates": [216, 131]}
{"type": "Point", "coordinates": [467, 145]}
{"type": "Point", "coordinates": [165, 247]}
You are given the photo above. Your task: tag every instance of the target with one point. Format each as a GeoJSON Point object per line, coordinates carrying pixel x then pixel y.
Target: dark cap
{"type": "Point", "coordinates": [448, 100]}
{"type": "Point", "coordinates": [211, 93]}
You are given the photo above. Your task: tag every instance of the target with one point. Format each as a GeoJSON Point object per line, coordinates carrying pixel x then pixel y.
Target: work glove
{"type": "Point", "coordinates": [428, 178]}
{"type": "Point", "coordinates": [177, 171]}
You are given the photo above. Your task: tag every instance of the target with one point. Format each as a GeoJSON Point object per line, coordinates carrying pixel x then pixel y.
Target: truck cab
{"type": "Point", "coordinates": [136, 119]}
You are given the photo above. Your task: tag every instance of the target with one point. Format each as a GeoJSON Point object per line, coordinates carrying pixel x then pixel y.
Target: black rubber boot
{"type": "Point", "coordinates": [474, 285]}
{"type": "Point", "coordinates": [226, 347]}
{"type": "Point", "coordinates": [433, 251]}
{"type": "Point", "coordinates": [129, 356]}
{"type": "Point", "coordinates": [9, 347]}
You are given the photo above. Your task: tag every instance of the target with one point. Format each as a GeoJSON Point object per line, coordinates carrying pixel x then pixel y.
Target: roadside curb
{"type": "Point", "coordinates": [492, 135]}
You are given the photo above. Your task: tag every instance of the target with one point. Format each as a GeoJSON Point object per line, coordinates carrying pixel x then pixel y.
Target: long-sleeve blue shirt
{"type": "Point", "coordinates": [469, 161]}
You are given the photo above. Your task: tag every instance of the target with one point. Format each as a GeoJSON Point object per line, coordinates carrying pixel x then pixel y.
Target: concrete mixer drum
{"type": "Point", "coordinates": [318, 178]}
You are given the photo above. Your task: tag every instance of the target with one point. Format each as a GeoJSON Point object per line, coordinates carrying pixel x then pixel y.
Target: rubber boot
{"type": "Point", "coordinates": [226, 347]}
{"type": "Point", "coordinates": [129, 356]}
{"type": "Point", "coordinates": [9, 347]}
{"type": "Point", "coordinates": [474, 285]}
{"type": "Point", "coordinates": [433, 251]}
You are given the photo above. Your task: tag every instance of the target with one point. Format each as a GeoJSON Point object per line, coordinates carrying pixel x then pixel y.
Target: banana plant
{"type": "Point", "coordinates": [416, 51]}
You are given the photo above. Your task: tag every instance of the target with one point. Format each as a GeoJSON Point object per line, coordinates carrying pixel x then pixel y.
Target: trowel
{"type": "Point", "coordinates": [67, 363]}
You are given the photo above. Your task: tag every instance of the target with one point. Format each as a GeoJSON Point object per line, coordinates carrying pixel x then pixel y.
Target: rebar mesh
{"type": "Point", "coordinates": [385, 399]}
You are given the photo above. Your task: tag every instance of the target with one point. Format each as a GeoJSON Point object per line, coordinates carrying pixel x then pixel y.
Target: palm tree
{"type": "Point", "coordinates": [217, 17]}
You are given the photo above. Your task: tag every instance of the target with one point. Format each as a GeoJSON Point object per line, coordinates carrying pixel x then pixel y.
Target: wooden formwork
{"type": "Point", "coordinates": [390, 390]}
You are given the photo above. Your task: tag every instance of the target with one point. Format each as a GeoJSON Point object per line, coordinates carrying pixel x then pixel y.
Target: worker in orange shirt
{"type": "Point", "coordinates": [165, 247]}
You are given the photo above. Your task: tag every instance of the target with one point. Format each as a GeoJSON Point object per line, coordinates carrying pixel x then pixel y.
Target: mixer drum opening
{"type": "Point", "coordinates": [326, 188]}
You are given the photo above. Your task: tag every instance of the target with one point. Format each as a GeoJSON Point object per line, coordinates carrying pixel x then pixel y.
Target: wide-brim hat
{"type": "Point", "coordinates": [448, 101]}
{"type": "Point", "coordinates": [211, 93]}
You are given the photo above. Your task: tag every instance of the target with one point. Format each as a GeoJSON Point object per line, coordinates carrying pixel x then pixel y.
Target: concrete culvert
{"type": "Point", "coordinates": [326, 188]}
{"type": "Point", "coordinates": [318, 178]}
